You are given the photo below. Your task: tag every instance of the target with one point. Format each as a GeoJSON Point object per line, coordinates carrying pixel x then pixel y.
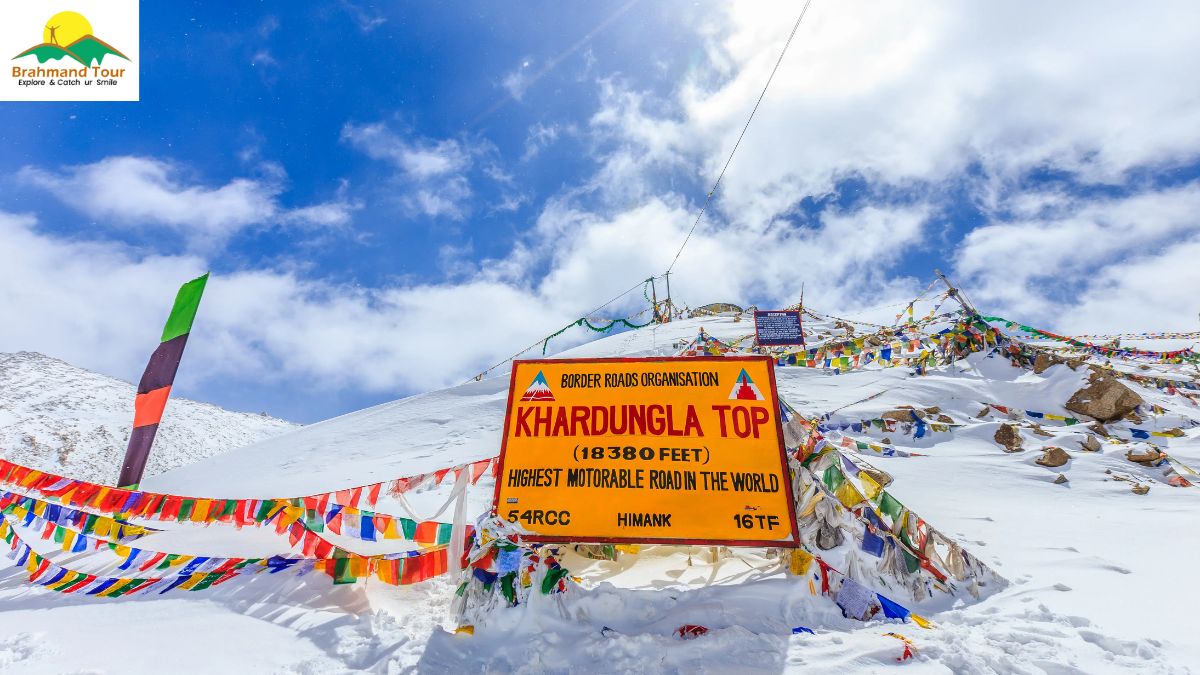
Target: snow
{"type": "Point", "coordinates": [60, 418]}
{"type": "Point", "coordinates": [1095, 571]}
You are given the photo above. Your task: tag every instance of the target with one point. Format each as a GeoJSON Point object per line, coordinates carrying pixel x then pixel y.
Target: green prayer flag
{"type": "Point", "coordinates": [833, 477]}
{"type": "Point", "coordinates": [207, 581]}
{"type": "Point", "coordinates": [444, 531]}
{"type": "Point", "coordinates": [125, 588]}
{"type": "Point", "coordinates": [408, 527]}
{"type": "Point", "coordinates": [341, 572]}
{"type": "Point", "coordinates": [553, 576]}
{"type": "Point", "coordinates": [508, 588]}
{"type": "Point", "coordinates": [185, 509]}
{"type": "Point", "coordinates": [889, 506]}
{"type": "Point", "coordinates": [187, 301]}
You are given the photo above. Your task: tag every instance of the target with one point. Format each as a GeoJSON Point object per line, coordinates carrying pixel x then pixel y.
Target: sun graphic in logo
{"type": "Point", "coordinates": [69, 34]}
{"type": "Point", "coordinates": [65, 27]}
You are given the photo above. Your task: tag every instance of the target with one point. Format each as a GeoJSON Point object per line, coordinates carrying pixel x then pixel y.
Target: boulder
{"type": "Point", "coordinates": [1150, 457]}
{"type": "Point", "coordinates": [1104, 398]}
{"type": "Point", "coordinates": [902, 414]}
{"type": "Point", "coordinates": [1009, 437]}
{"type": "Point", "coordinates": [1053, 457]}
{"type": "Point", "coordinates": [933, 410]}
{"type": "Point", "coordinates": [945, 419]}
{"type": "Point", "coordinates": [1140, 489]}
{"type": "Point", "coordinates": [1044, 361]}
{"type": "Point", "coordinates": [1090, 444]}
{"type": "Point", "coordinates": [1132, 416]}
{"type": "Point", "coordinates": [1074, 363]}
{"type": "Point", "coordinates": [829, 537]}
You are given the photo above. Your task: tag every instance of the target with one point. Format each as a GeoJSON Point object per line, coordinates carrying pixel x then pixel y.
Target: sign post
{"type": "Point", "coordinates": [778, 328]}
{"type": "Point", "coordinates": [656, 450]}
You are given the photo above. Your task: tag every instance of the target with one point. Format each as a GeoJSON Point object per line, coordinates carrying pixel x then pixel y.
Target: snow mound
{"type": "Point", "coordinates": [64, 419]}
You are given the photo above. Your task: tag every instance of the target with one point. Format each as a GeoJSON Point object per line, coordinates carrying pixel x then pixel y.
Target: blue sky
{"type": "Point", "coordinates": [393, 197]}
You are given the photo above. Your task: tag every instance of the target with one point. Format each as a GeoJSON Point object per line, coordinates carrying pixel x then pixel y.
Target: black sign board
{"type": "Point", "coordinates": [778, 328]}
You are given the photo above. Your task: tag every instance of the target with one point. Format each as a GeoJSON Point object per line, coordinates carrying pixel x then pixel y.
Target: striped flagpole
{"type": "Point", "coordinates": [156, 382]}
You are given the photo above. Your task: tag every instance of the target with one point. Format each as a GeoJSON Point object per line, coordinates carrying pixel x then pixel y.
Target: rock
{"type": "Point", "coordinates": [1140, 489]}
{"type": "Point", "coordinates": [1150, 457]}
{"type": "Point", "coordinates": [829, 537]}
{"type": "Point", "coordinates": [1060, 480]}
{"type": "Point", "coordinates": [1009, 436]}
{"type": "Point", "coordinates": [1174, 432]}
{"type": "Point", "coordinates": [946, 419]}
{"type": "Point", "coordinates": [933, 410]}
{"type": "Point", "coordinates": [1090, 444]}
{"type": "Point", "coordinates": [1053, 457]}
{"type": "Point", "coordinates": [1105, 398]}
{"type": "Point", "coordinates": [900, 415]}
{"type": "Point", "coordinates": [1132, 416]}
{"type": "Point", "coordinates": [987, 410]}
{"type": "Point", "coordinates": [1037, 429]}
{"type": "Point", "coordinates": [887, 440]}
{"type": "Point", "coordinates": [1074, 363]}
{"type": "Point", "coordinates": [1044, 361]}
{"type": "Point", "coordinates": [1099, 429]}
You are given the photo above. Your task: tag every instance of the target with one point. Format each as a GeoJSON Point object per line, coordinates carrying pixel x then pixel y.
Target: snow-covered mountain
{"type": "Point", "coordinates": [69, 420]}
{"type": "Point", "coordinates": [1092, 546]}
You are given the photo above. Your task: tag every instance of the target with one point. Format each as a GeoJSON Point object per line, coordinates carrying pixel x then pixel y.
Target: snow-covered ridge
{"type": "Point", "coordinates": [71, 421]}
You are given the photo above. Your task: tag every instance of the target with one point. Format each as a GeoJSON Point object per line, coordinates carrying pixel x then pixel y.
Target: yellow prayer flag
{"type": "Point", "coordinates": [921, 621]}
{"type": "Point", "coordinates": [102, 527]}
{"type": "Point", "coordinates": [193, 580]}
{"type": "Point", "coordinates": [68, 539]}
{"type": "Point", "coordinates": [848, 495]}
{"type": "Point", "coordinates": [390, 531]}
{"type": "Point", "coordinates": [200, 510]}
{"type": "Point", "coordinates": [870, 487]}
{"type": "Point", "coordinates": [799, 562]}
{"type": "Point", "coordinates": [629, 548]}
{"type": "Point", "coordinates": [122, 550]}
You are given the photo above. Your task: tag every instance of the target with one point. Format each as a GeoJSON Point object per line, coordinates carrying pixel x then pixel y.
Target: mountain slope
{"type": "Point", "coordinates": [1091, 564]}
{"type": "Point", "coordinates": [65, 419]}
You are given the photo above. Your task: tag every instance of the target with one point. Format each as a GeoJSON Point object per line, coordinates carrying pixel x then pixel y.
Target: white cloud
{"type": "Point", "coordinates": [96, 304]}
{"type": "Point", "coordinates": [432, 174]}
{"type": "Point", "coordinates": [1057, 248]}
{"type": "Point", "coordinates": [540, 136]}
{"type": "Point", "coordinates": [140, 192]}
{"type": "Point", "coordinates": [902, 93]}
{"type": "Point", "coordinates": [517, 81]}
{"type": "Point", "coordinates": [368, 19]}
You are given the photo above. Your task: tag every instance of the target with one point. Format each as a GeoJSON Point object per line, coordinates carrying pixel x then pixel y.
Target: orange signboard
{"type": "Point", "coordinates": [654, 450]}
